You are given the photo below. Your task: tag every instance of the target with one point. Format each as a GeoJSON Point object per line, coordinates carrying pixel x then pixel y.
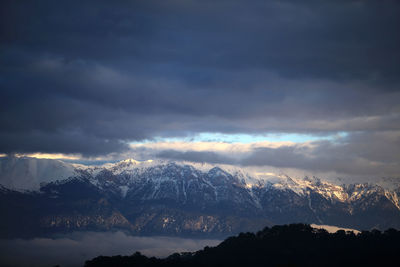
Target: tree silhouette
{"type": "Point", "coordinates": [284, 245]}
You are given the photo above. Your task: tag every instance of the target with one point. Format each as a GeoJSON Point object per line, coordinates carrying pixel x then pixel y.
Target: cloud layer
{"type": "Point", "coordinates": [359, 154]}
{"type": "Point", "coordinates": [89, 77]}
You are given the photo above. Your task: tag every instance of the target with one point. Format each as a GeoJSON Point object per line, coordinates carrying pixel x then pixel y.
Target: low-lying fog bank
{"type": "Point", "coordinates": [74, 249]}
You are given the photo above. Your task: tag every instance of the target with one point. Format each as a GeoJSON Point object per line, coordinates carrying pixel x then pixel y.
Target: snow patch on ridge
{"type": "Point", "coordinates": [334, 229]}
{"type": "Point", "coordinates": [30, 173]}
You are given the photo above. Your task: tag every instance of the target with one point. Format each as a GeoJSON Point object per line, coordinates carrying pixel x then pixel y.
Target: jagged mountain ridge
{"type": "Point", "coordinates": [183, 199]}
{"type": "Point", "coordinates": [124, 178]}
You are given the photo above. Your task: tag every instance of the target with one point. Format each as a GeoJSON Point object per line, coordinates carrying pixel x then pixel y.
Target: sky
{"type": "Point", "coordinates": [312, 85]}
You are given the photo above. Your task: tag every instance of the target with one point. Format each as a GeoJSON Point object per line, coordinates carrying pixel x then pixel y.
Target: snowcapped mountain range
{"type": "Point", "coordinates": [180, 198]}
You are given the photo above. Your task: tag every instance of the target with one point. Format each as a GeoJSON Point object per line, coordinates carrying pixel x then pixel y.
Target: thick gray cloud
{"type": "Point", "coordinates": [89, 76]}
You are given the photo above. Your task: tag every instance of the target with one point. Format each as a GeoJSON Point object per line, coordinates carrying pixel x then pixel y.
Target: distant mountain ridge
{"type": "Point", "coordinates": [174, 198]}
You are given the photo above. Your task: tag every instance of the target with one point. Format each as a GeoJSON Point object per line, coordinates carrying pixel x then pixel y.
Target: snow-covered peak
{"type": "Point", "coordinates": [248, 178]}
{"type": "Point", "coordinates": [303, 186]}
{"type": "Point", "coordinates": [29, 173]}
{"type": "Point", "coordinates": [129, 165]}
{"type": "Point", "coordinates": [123, 166]}
{"type": "Point", "coordinates": [129, 161]}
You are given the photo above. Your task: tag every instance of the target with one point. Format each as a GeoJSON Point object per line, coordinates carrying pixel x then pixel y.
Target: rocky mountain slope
{"type": "Point", "coordinates": [173, 198]}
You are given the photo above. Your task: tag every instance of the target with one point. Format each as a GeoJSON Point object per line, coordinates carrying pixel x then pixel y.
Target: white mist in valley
{"type": "Point", "coordinates": [74, 249]}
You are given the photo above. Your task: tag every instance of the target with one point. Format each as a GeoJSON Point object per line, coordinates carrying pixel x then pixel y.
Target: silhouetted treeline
{"type": "Point", "coordinates": [286, 245]}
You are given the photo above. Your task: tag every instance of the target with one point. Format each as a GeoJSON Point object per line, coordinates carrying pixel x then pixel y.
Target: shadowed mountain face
{"type": "Point", "coordinates": [287, 245]}
{"type": "Point", "coordinates": [177, 199]}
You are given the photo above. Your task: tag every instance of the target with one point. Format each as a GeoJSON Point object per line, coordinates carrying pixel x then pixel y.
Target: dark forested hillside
{"type": "Point", "coordinates": [287, 245]}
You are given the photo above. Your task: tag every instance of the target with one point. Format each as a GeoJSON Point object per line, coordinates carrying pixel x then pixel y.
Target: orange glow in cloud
{"type": "Point", "coordinates": [49, 156]}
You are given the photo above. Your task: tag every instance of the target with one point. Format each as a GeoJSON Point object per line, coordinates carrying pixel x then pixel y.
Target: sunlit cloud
{"type": "Point", "coordinates": [209, 146]}
{"type": "Point", "coordinates": [49, 156]}
{"type": "Point", "coordinates": [247, 138]}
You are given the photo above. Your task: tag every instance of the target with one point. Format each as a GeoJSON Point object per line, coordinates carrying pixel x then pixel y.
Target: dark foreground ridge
{"type": "Point", "coordinates": [286, 245]}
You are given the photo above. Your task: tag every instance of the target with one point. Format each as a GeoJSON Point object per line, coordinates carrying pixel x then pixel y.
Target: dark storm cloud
{"type": "Point", "coordinates": [88, 77]}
